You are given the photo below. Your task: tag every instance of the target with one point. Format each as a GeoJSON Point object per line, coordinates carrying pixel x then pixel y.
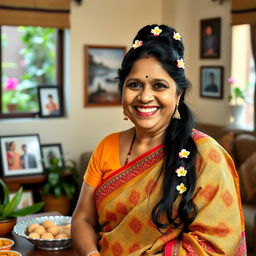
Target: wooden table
{"type": "Point", "coordinates": [26, 248]}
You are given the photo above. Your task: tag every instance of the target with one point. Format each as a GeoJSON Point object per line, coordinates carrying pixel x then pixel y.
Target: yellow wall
{"type": "Point", "coordinates": [112, 22]}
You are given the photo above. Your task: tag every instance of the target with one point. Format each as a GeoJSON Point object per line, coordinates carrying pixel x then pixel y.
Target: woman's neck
{"type": "Point", "coordinates": [148, 137]}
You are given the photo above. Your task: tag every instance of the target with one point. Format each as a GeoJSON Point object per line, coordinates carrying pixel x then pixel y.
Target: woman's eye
{"type": "Point", "coordinates": [160, 86]}
{"type": "Point", "coordinates": [134, 85]}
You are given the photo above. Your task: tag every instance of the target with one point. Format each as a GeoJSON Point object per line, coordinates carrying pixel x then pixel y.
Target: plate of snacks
{"type": "Point", "coordinates": [9, 253]}
{"type": "Point", "coordinates": [46, 232]}
{"type": "Point", "coordinates": [6, 243]}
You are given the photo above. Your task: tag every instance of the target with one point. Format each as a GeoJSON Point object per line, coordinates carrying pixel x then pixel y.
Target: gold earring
{"type": "Point", "coordinates": [176, 114]}
{"type": "Point", "coordinates": [125, 118]}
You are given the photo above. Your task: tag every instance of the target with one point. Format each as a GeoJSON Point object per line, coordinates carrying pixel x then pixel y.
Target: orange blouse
{"type": "Point", "coordinates": [102, 165]}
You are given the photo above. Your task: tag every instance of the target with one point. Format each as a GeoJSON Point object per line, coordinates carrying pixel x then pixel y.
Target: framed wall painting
{"type": "Point", "coordinates": [51, 151]}
{"type": "Point", "coordinates": [101, 66]}
{"type": "Point", "coordinates": [211, 82]}
{"type": "Point", "coordinates": [20, 155]}
{"type": "Point", "coordinates": [210, 38]}
{"type": "Point", "coordinates": [49, 101]}
{"type": "Point", "coordinates": [26, 199]}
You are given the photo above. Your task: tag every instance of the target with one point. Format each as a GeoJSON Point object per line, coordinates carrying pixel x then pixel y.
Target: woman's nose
{"type": "Point", "coordinates": [146, 95]}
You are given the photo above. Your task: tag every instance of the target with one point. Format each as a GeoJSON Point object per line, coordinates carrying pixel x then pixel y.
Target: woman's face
{"type": "Point", "coordinates": [149, 95]}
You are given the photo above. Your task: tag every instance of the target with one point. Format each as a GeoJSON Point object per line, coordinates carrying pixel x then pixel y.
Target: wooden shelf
{"type": "Point", "coordinates": [15, 182]}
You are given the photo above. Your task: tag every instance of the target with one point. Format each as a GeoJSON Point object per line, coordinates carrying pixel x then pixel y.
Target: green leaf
{"type": "Point", "coordinates": [6, 192]}
{"type": "Point", "coordinates": [13, 203]}
{"type": "Point", "coordinates": [53, 179]}
{"type": "Point", "coordinates": [57, 191]}
{"type": "Point", "coordinates": [46, 189]}
{"type": "Point", "coordinates": [27, 210]}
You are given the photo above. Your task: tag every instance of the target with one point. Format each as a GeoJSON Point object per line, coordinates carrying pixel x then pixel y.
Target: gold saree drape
{"type": "Point", "coordinates": [125, 199]}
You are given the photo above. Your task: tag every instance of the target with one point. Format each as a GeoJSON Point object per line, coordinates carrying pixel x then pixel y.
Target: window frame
{"type": "Point", "coordinates": [59, 78]}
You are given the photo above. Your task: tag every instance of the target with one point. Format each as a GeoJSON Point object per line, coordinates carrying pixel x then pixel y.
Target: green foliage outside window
{"type": "Point", "coordinates": [38, 63]}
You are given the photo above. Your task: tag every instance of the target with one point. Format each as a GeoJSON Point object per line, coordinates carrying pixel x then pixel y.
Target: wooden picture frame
{"type": "Point", "coordinates": [50, 104]}
{"type": "Point", "coordinates": [100, 83]}
{"type": "Point", "coordinates": [211, 81]}
{"type": "Point", "coordinates": [21, 155]}
{"type": "Point", "coordinates": [27, 199]}
{"type": "Point", "coordinates": [210, 38]}
{"type": "Point", "coordinates": [50, 151]}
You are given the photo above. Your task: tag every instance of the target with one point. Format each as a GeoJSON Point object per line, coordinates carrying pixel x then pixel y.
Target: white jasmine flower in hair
{"type": "Point", "coordinates": [181, 188]}
{"type": "Point", "coordinates": [156, 31]}
{"type": "Point", "coordinates": [137, 43]}
{"type": "Point", "coordinates": [184, 153]}
{"type": "Point", "coordinates": [176, 36]}
{"type": "Point", "coordinates": [180, 63]}
{"type": "Point", "coordinates": [181, 171]}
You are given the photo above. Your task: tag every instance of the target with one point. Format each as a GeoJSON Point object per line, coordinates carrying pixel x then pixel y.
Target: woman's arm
{"type": "Point", "coordinates": [84, 220]}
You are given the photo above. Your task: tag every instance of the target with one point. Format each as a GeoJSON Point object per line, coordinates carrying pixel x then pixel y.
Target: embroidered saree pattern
{"type": "Point", "coordinates": [125, 199]}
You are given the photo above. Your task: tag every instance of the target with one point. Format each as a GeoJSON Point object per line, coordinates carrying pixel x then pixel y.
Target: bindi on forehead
{"type": "Point", "coordinates": [146, 76]}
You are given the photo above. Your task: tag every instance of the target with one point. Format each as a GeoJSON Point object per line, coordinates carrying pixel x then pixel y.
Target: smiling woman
{"type": "Point", "coordinates": [153, 187]}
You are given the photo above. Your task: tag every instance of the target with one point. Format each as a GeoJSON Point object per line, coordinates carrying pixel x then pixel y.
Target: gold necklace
{"type": "Point", "coordinates": [130, 150]}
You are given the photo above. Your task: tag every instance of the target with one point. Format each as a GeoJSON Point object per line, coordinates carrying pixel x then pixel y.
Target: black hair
{"type": "Point", "coordinates": [165, 49]}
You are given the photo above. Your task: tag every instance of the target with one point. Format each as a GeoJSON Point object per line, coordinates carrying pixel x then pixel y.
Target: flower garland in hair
{"type": "Point", "coordinates": [181, 171]}
{"type": "Point", "coordinates": [137, 44]}
{"type": "Point", "coordinates": [156, 31]}
{"type": "Point", "coordinates": [180, 63]}
{"type": "Point", "coordinates": [176, 36]}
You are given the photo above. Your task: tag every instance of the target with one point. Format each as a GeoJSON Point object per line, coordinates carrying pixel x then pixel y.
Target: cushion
{"type": "Point", "coordinates": [247, 174]}
{"type": "Point", "coordinates": [244, 146]}
{"type": "Point", "coordinates": [227, 142]}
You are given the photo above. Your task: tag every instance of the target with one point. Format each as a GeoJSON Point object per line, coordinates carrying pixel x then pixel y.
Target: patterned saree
{"type": "Point", "coordinates": [125, 199]}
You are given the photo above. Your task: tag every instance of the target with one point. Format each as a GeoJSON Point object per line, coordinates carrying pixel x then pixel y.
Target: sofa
{"type": "Point", "coordinates": [241, 146]}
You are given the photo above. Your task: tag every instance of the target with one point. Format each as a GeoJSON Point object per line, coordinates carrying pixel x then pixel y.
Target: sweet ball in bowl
{"type": "Point", "coordinates": [47, 232]}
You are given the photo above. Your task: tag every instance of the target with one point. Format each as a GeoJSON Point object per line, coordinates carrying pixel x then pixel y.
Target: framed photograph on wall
{"type": "Point", "coordinates": [211, 81]}
{"type": "Point", "coordinates": [21, 155]}
{"type": "Point", "coordinates": [49, 101]}
{"type": "Point", "coordinates": [210, 38]}
{"type": "Point", "coordinates": [101, 66]}
{"type": "Point", "coordinates": [51, 151]}
{"type": "Point", "coordinates": [26, 199]}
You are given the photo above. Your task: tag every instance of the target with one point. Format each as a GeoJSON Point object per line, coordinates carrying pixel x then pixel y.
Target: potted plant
{"type": "Point", "coordinates": [60, 186]}
{"type": "Point", "coordinates": [235, 100]}
{"type": "Point", "coordinates": [8, 211]}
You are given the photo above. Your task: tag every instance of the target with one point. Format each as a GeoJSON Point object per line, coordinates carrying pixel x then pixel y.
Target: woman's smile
{"type": "Point", "coordinates": [146, 110]}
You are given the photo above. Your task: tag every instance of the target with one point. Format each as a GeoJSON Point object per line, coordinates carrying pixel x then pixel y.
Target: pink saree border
{"type": "Point", "coordinates": [128, 172]}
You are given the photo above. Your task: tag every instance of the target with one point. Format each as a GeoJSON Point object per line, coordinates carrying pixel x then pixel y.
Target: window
{"type": "Point", "coordinates": [30, 56]}
{"type": "Point", "coordinates": [243, 71]}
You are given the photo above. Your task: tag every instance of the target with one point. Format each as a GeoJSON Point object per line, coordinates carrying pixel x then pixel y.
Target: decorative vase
{"type": "Point", "coordinates": [237, 113]}
{"type": "Point", "coordinates": [7, 225]}
{"type": "Point", "coordinates": [59, 204]}
{"type": "Point", "coordinates": [11, 107]}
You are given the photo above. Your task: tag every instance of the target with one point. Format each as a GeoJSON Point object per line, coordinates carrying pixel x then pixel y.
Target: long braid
{"type": "Point", "coordinates": [167, 50]}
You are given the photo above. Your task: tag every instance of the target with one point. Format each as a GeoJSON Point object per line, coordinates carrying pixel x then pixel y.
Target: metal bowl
{"type": "Point", "coordinates": [20, 229]}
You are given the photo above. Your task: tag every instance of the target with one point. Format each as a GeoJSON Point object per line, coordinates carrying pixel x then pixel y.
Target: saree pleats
{"type": "Point", "coordinates": [125, 200]}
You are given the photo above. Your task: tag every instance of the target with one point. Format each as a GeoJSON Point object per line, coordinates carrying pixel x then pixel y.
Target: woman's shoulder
{"type": "Point", "coordinates": [201, 137]}
{"type": "Point", "coordinates": [204, 143]}
{"type": "Point", "coordinates": [110, 139]}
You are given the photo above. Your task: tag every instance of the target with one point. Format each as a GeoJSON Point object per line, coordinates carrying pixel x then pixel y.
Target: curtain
{"type": "Point", "coordinates": [253, 42]}
{"type": "Point", "coordinates": [44, 13]}
{"type": "Point", "coordinates": [243, 12]}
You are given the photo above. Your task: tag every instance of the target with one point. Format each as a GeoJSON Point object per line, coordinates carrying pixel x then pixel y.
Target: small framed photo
{"type": "Point", "coordinates": [51, 151]}
{"type": "Point", "coordinates": [26, 199]}
{"type": "Point", "coordinates": [49, 101]}
{"type": "Point", "coordinates": [101, 66]}
{"type": "Point", "coordinates": [210, 38]}
{"type": "Point", "coordinates": [21, 155]}
{"type": "Point", "coordinates": [211, 81]}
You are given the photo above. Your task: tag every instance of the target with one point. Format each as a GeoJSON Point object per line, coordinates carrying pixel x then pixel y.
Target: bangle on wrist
{"type": "Point", "coordinates": [93, 253]}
